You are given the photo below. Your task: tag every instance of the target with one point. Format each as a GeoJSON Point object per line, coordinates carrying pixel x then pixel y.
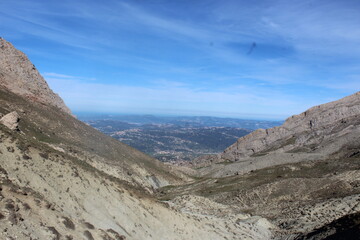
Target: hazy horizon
{"type": "Point", "coordinates": [241, 117]}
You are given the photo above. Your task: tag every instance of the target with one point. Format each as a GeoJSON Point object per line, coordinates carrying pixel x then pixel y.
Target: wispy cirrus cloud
{"type": "Point", "coordinates": [305, 52]}
{"type": "Point", "coordinates": [50, 75]}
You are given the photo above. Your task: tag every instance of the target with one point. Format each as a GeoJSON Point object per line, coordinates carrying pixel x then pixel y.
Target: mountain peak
{"type": "Point", "coordinates": [20, 76]}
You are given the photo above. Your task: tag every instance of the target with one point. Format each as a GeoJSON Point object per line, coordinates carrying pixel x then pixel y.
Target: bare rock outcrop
{"type": "Point", "coordinates": [20, 76]}
{"type": "Point", "coordinates": [319, 129]}
{"type": "Point", "coordinates": [11, 120]}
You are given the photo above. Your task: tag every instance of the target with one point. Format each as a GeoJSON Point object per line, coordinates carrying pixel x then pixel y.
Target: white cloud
{"type": "Point", "coordinates": [50, 75]}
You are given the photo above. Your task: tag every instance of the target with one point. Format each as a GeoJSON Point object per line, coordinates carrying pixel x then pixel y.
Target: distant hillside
{"type": "Point", "coordinates": [171, 142]}
{"type": "Point", "coordinates": [324, 130]}
{"type": "Point", "coordinates": [304, 175]}
{"type": "Point", "coordinates": [182, 121]}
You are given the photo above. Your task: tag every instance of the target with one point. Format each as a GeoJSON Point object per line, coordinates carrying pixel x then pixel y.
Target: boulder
{"type": "Point", "coordinates": [11, 120]}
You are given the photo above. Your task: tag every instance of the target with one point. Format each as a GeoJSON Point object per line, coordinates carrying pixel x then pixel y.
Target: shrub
{"type": "Point", "coordinates": [68, 223]}
{"type": "Point", "coordinates": [88, 235]}
{"type": "Point", "coordinates": [89, 225]}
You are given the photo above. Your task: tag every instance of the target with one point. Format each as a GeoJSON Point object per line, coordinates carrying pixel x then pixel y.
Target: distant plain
{"type": "Point", "coordinates": [175, 138]}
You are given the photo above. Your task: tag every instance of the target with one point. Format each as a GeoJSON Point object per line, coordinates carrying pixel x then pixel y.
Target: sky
{"type": "Point", "coordinates": [229, 58]}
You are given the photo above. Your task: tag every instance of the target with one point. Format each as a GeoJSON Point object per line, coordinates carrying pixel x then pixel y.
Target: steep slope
{"type": "Point", "coordinates": [48, 194]}
{"type": "Point", "coordinates": [347, 227]}
{"type": "Point", "coordinates": [304, 176]}
{"type": "Point", "coordinates": [20, 76]}
{"type": "Point", "coordinates": [62, 132]}
{"type": "Point", "coordinates": [318, 133]}
{"type": "Point", "coordinates": [62, 179]}
{"type": "Point", "coordinates": [311, 131]}
{"type": "Point", "coordinates": [41, 120]}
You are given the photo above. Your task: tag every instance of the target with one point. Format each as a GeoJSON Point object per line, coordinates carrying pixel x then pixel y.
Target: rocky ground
{"type": "Point", "coordinates": [48, 194]}
{"type": "Point", "coordinates": [296, 198]}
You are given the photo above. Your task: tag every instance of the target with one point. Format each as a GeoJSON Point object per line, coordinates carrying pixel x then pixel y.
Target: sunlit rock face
{"type": "Point", "coordinates": [20, 76]}
{"type": "Point", "coordinates": [310, 131]}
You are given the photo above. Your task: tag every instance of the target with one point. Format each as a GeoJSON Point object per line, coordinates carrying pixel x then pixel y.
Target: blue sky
{"type": "Point", "coordinates": [247, 59]}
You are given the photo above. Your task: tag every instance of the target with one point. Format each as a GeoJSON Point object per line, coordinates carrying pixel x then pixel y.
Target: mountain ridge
{"type": "Point", "coordinates": [314, 120]}
{"type": "Point", "coordinates": [20, 76]}
{"type": "Point", "coordinates": [302, 176]}
{"type": "Point", "coordinates": [62, 179]}
{"type": "Point", "coordinates": [307, 132]}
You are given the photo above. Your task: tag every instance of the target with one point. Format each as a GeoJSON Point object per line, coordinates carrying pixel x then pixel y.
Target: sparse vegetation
{"type": "Point", "coordinates": [88, 235]}
{"type": "Point", "coordinates": [89, 225]}
{"type": "Point", "coordinates": [56, 234]}
{"type": "Point", "coordinates": [116, 234]}
{"type": "Point", "coordinates": [68, 223]}
{"type": "Point", "coordinates": [26, 206]}
{"type": "Point", "coordinates": [44, 155]}
{"type": "Point", "coordinates": [26, 157]}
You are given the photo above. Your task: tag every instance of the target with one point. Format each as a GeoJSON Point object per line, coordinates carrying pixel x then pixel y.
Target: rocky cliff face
{"type": "Point", "coordinates": [322, 129]}
{"type": "Point", "coordinates": [20, 76]}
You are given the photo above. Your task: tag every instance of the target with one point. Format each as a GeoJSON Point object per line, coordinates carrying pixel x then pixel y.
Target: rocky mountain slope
{"type": "Point", "coordinates": [20, 76]}
{"type": "Point", "coordinates": [303, 176]}
{"type": "Point", "coordinates": [62, 179]}
{"type": "Point", "coordinates": [317, 133]}
{"type": "Point", "coordinates": [311, 131]}
{"type": "Point", "coordinates": [297, 198]}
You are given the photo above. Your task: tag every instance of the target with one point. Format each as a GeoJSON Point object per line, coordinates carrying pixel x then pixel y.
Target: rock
{"type": "Point", "coordinates": [20, 76]}
{"type": "Point", "coordinates": [11, 120]}
{"type": "Point", "coordinates": [307, 132]}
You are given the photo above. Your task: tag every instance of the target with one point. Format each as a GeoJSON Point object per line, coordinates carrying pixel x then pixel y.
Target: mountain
{"type": "Point", "coordinates": [62, 179]}
{"type": "Point", "coordinates": [313, 131]}
{"type": "Point", "coordinates": [321, 131]}
{"type": "Point", "coordinates": [20, 76]}
{"type": "Point", "coordinates": [181, 121]}
{"type": "Point", "coordinates": [304, 176]}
